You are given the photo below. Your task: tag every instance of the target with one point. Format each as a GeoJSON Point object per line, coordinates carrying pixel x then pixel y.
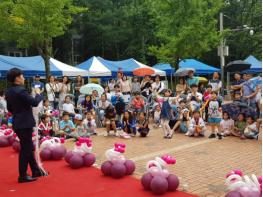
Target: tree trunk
{"type": "Point", "coordinates": [44, 52]}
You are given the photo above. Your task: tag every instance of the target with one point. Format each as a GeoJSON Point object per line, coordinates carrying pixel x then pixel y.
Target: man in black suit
{"type": "Point", "coordinates": [20, 103]}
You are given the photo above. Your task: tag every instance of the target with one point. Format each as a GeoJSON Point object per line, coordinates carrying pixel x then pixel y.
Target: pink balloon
{"type": "Point", "coordinates": [4, 141]}
{"type": "Point", "coordinates": [233, 194]}
{"type": "Point", "coordinates": [68, 155]}
{"type": "Point", "coordinates": [130, 167]}
{"type": "Point", "coordinates": [238, 172]}
{"type": "Point", "coordinates": [173, 182]}
{"type": "Point", "coordinates": [46, 154]}
{"type": "Point", "coordinates": [89, 159]}
{"type": "Point", "coordinates": [146, 181]}
{"type": "Point", "coordinates": [106, 168]}
{"type": "Point", "coordinates": [58, 152]}
{"type": "Point", "coordinates": [118, 170]}
{"type": "Point", "coordinates": [159, 185]}
{"type": "Point", "coordinates": [76, 161]}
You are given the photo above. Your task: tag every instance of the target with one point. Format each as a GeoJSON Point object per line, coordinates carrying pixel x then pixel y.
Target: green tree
{"type": "Point", "coordinates": [185, 28]}
{"type": "Point", "coordinates": [35, 22]}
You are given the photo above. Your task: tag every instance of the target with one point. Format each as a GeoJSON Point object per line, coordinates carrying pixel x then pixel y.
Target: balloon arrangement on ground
{"type": "Point", "coordinates": [81, 154]}
{"type": "Point", "coordinates": [157, 178]}
{"type": "Point", "coordinates": [6, 136]}
{"type": "Point", "coordinates": [52, 148]}
{"type": "Point", "coordinates": [117, 166]}
{"type": "Point", "coordinates": [240, 185]}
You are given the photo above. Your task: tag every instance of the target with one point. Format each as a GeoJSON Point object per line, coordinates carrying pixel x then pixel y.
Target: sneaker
{"type": "Point", "coordinates": [106, 134]}
{"type": "Point", "coordinates": [219, 135]}
{"type": "Point", "coordinates": [187, 133]}
{"type": "Point", "coordinates": [201, 135]}
{"type": "Point", "coordinates": [160, 126]}
{"type": "Point", "coordinates": [165, 137]}
{"type": "Point", "coordinates": [212, 136]}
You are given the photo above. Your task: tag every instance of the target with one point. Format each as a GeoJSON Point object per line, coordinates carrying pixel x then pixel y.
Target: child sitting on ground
{"type": "Point", "coordinates": [184, 121]}
{"type": "Point", "coordinates": [142, 125]}
{"type": "Point", "coordinates": [226, 125]}
{"type": "Point", "coordinates": [45, 126]}
{"type": "Point", "coordinates": [66, 126]}
{"type": "Point", "coordinates": [129, 123]}
{"type": "Point", "coordinates": [157, 116]}
{"type": "Point", "coordinates": [81, 128]}
{"type": "Point", "coordinates": [214, 115]}
{"type": "Point", "coordinates": [110, 118]}
{"type": "Point", "coordinates": [196, 126]}
{"type": "Point", "coordinates": [252, 128]}
{"type": "Point", "coordinates": [69, 107]}
{"type": "Point", "coordinates": [240, 125]}
{"type": "Point", "coordinates": [90, 124]}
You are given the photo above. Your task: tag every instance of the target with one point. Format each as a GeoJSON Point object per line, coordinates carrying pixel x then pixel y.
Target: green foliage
{"type": "Point", "coordinates": [35, 22]}
{"type": "Point", "coordinates": [185, 28]}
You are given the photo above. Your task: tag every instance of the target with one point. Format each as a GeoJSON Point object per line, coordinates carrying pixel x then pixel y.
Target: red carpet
{"type": "Point", "coordinates": [64, 181]}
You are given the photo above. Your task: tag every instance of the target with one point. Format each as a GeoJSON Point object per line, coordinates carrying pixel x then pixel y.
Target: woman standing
{"type": "Point", "coordinates": [76, 86]}
{"type": "Point", "coordinates": [181, 86]}
{"type": "Point", "coordinates": [157, 86]}
{"type": "Point", "coordinates": [52, 92]}
{"type": "Point", "coordinates": [126, 88]}
{"type": "Point", "coordinates": [64, 89]}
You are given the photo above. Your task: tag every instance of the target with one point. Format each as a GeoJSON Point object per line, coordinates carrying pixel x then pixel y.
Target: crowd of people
{"type": "Point", "coordinates": [127, 107]}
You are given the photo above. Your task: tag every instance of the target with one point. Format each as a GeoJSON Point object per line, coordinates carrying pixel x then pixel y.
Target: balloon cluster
{"type": "Point", "coordinates": [157, 178]}
{"type": "Point", "coordinates": [6, 136]}
{"type": "Point", "coordinates": [52, 148]}
{"type": "Point", "coordinates": [117, 166]}
{"type": "Point", "coordinates": [81, 154]}
{"type": "Point", "coordinates": [240, 185]}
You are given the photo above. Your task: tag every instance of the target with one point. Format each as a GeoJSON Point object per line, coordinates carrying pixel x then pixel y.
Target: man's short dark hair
{"type": "Point", "coordinates": [12, 74]}
{"type": "Point", "coordinates": [194, 86]}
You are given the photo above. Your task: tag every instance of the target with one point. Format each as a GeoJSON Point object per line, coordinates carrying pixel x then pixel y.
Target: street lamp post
{"type": "Point", "coordinates": [221, 50]}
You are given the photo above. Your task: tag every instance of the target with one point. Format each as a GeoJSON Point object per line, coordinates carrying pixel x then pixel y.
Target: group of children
{"type": "Point", "coordinates": [187, 112]}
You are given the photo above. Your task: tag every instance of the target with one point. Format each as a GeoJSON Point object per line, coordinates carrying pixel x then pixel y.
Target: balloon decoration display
{"type": "Point", "coordinates": [52, 148]}
{"type": "Point", "coordinates": [157, 178]}
{"type": "Point", "coordinates": [81, 154]}
{"type": "Point", "coordinates": [240, 185]}
{"type": "Point", "coordinates": [6, 136]}
{"type": "Point", "coordinates": [117, 166]}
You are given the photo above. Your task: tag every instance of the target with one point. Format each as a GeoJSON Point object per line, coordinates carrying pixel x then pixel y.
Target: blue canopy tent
{"type": "Point", "coordinates": [95, 67]}
{"type": "Point", "coordinates": [165, 67]}
{"type": "Point", "coordinates": [256, 65]}
{"type": "Point", "coordinates": [34, 65]}
{"type": "Point", "coordinates": [126, 66]}
{"type": "Point", "coordinates": [200, 67]}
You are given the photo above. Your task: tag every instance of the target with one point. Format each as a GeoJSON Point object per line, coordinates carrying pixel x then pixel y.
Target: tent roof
{"type": "Point", "coordinates": [256, 65]}
{"type": "Point", "coordinates": [126, 66]}
{"type": "Point", "coordinates": [200, 67]}
{"type": "Point", "coordinates": [35, 65]}
{"type": "Point", "coordinates": [165, 67]}
{"type": "Point", "coordinates": [94, 67]}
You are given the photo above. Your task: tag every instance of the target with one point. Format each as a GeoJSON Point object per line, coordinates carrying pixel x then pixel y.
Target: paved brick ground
{"type": "Point", "coordinates": [201, 163]}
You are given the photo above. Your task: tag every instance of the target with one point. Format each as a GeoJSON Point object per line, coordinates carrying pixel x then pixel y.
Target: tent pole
{"type": "Point", "coordinates": [172, 82]}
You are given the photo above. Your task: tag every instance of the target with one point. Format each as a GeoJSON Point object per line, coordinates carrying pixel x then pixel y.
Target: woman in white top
{"type": "Point", "coordinates": [157, 86]}
{"type": "Point", "coordinates": [64, 89]}
{"type": "Point", "coordinates": [52, 90]}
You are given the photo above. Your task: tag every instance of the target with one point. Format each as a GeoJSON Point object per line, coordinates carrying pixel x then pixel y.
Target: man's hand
{"type": "Point", "coordinates": [37, 91]}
